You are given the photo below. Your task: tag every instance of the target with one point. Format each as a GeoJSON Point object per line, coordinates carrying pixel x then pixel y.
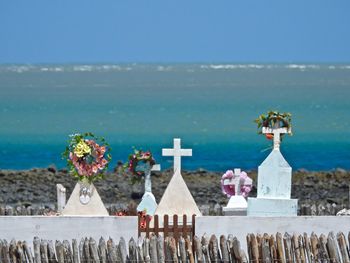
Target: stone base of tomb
{"type": "Point", "coordinates": [148, 204]}
{"type": "Point", "coordinates": [272, 207]}
{"type": "Point", "coordinates": [237, 206]}
{"type": "Point", "coordinates": [94, 207]}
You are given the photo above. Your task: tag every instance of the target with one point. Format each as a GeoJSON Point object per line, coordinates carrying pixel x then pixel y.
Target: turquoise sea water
{"type": "Point", "coordinates": [211, 107]}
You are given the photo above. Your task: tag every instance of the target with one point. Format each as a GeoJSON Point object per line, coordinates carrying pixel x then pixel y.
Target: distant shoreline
{"type": "Point", "coordinates": [38, 186]}
{"type": "Point", "coordinates": [168, 170]}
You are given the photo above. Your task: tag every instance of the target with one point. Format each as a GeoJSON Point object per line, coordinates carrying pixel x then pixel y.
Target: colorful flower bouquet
{"type": "Point", "coordinates": [87, 156]}
{"type": "Point", "coordinates": [138, 163]}
{"type": "Point", "coordinates": [274, 120]}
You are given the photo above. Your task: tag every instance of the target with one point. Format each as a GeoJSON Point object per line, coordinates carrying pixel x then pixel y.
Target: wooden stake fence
{"type": "Point", "coordinates": [264, 248]}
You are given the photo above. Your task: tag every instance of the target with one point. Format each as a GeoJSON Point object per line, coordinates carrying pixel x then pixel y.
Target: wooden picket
{"type": "Point", "coordinates": [175, 230]}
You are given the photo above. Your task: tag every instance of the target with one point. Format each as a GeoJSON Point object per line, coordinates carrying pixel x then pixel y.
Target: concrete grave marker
{"type": "Point", "coordinates": [61, 197]}
{"type": "Point", "coordinates": [237, 204]}
{"type": "Point", "coordinates": [148, 202]}
{"type": "Point", "coordinates": [77, 205]}
{"type": "Point", "coordinates": [177, 198]}
{"type": "Point", "coordinates": [274, 183]}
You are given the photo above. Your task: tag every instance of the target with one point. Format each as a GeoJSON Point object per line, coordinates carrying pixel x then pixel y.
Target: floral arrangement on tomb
{"type": "Point", "coordinates": [274, 119]}
{"type": "Point", "coordinates": [87, 156]}
{"type": "Point", "coordinates": [130, 210]}
{"type": "Point", "coordinates": [121, 213]}
{"type": "Point", "coordinates": [246, 184]}
{"type": "Point", "coordinates": [143, 218]}
{"type": "Point", "coordinates": [134, 160]}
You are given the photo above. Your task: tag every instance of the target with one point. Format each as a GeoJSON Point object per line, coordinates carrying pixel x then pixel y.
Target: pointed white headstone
{"type": "Point", "coordinates": [148, 202]}
{"type": "Point", "coordinates": [275, 177]}
{"type": "Point", "coordinates": [177, 198]}
{"type": "Point", "coordinates": [274, 183]}
{"type": "Point", "coordinates": [75, 207]}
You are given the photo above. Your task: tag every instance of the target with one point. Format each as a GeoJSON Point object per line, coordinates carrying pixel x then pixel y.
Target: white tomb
{"type": "Point", "coordinates": [237, 205]}
{"type": "Point", "coordinates": [274, 183]}
{"type": "Point", "coordinates": [177, 198]}
{"type": "Point", "coordinates": [79, 205]}
{"type": "Point", "coordinates": [148, 202]}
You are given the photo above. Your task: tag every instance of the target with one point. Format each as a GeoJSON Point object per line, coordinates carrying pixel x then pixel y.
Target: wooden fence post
{"type": "Point", "coordinates": [160, 247]}
{"type": "Point", "coordinates": [148, 220]}
{"type": "Point", "coordinates": [279, 243]}
{"type": "Point", "coordinates": [132, 251]}
{"type": "Point", "coordinates": [156, 225]}
{"type": "Point", "coordinates": [193, 225]}
{"type": "Point", "coordinates": [43, 251]}
{"type": "Point", "coordinates": [166, 226]}
{"type": "Point", "coordinates": [301, 248]}
{"type": "Point", "coordinates": [343, 247]}
{"type": "Point", "coordinates": [288, 247]}
{"type": "Point", "coordinates": [175, 228]}
{"type": "Point", "coordinates": [184, 226]}
{"type": "Point", "coordinates": [153, 249]}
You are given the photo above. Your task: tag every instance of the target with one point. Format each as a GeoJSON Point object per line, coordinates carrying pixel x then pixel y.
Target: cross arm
{"type": "Point", "coordinates": [168, 152]}
{"type": "Point", "coordinates": [156, 167]}
{"type": "Point", "coordinates": [186, 152]}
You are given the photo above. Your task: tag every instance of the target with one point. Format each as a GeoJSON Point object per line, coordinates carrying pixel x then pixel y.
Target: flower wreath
{"type": "Point", "coordinates": [245, 180]}
{"type": "Point", "coordinates": [87, 156]}
{"type": "Point", "coordinates": [274, 119]}
{"type": "Point", "coordinates": [134, 159]}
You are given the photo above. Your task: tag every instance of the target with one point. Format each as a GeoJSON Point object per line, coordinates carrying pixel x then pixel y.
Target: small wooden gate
{"type": "Point", "coordinates": [175, 230]}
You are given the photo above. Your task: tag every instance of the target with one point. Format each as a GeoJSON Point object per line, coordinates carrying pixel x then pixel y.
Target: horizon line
{"type": "Point", "coordinates": [178, 62]}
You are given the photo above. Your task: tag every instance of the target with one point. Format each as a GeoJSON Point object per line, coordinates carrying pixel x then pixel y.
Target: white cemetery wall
{"type": "Point", "coordinates": [67, 227]}
{"type": "Point", "coordinates": [241, 226]}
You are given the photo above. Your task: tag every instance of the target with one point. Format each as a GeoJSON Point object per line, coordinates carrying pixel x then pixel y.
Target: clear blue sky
{"type": "Point", "coordinates": [69, 31]}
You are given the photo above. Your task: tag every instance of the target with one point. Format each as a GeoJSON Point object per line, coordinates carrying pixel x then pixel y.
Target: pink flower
{"type": "Point", "coordinates": [226, 189]}
{"type": "Point", "coordinates": [94, 169]}
{"type": "Point", "coordinates": [146, 155]}
{"type": "Point", "coordinates": [243, 175]}
{"type": "Point", "coordinates": [102, 150]}
{"type": "Point", "coordinates": [228, 175]}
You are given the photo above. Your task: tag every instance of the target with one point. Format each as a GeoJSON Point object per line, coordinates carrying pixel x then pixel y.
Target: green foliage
{"type": "Point", "coordinates": [274, 119]}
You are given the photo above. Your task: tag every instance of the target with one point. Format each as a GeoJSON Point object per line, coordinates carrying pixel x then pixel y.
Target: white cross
{"type": "Point", "coordinates": [236, 181]}
{"type": "Point", "coordinates": [276, 135]}
{"type": "Point", "coordinates": [177, 152]}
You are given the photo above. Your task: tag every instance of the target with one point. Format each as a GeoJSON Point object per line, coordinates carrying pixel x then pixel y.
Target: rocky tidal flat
{"type": "Point", "coordinates": [38, 187]}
